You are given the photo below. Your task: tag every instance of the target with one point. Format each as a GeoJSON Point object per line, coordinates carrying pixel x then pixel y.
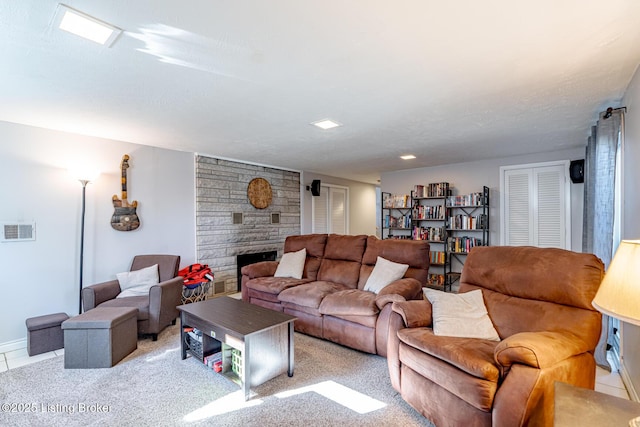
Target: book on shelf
{"type": "Point", "coordinates": [467, 222]}
{"type": "Point", "coordinates": [434, 234]}
{"type": "Point", "coordinates": [436, 212]}
{"type": "Point", "coordinates": [391, 201]}
{"type": "Point", "coordinates": [472, 199]}
{"type": "Point", "coordinates": [436, 257]}
{"type": "Point", "coordinates": [399, 237]}
{"type": "Point", "coordinates": [403, 221]}
{"type": "Point", "coordinates": [462, 244]}
{"type": "Point", "coordinates": [436, 280]}
{"type": "Point", "coordinates": [438, 189]}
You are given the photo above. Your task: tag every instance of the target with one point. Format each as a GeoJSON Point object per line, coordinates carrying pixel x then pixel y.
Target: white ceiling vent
{"type": "Point", "coordinates": [18, 232]}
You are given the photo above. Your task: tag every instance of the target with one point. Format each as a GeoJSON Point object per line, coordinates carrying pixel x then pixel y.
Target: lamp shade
{"type": "Point", "coordinates": [84, 173]}
{"type": "Point", "coordinates": [619, 292]}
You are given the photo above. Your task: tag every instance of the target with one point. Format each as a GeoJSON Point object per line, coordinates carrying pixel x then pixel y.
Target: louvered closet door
{"type": "Point", "coordinates": [338, 207]}
{"type": "Point", "coordinates": [517, 212]}
{"type": "Point", "coordinates": [536, 206]}
{"type": "Point", "coordinates": [330, 210]}
{"type": "Point", "coordinates": [549, 210]}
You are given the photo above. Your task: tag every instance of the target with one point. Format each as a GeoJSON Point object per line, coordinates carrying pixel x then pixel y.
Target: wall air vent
{"type": "Point", "coordinates": [18, 232]}
{"type": "Point", "coordinates": [237, 217]}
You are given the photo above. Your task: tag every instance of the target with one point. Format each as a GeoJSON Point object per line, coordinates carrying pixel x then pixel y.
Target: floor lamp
{"type": "Point", "coordinates": [619, 292]}
{"type": "Point", "coordinates": [84, 183]}
{"type": "Point", "coordinates": [85, 177]}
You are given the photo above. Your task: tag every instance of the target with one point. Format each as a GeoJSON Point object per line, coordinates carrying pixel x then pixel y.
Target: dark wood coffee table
{"type": "Point", "coordinates": [265, 338]}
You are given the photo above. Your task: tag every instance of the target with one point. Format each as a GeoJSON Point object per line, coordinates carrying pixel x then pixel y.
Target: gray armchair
{"type": "Point", "coordinates": [155, 311]}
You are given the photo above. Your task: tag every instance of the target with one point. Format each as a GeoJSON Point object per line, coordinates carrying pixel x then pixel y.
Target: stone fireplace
{"type": "Point", "coordinates": [228, 226]}
{"type": "Point", "coordinates": [246, 259]}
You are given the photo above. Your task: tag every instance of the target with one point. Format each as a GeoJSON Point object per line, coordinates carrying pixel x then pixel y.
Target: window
{"type": "Point", "coordinates": [330, 210]}
{"type": "Point", "coordinates": [535, 201]}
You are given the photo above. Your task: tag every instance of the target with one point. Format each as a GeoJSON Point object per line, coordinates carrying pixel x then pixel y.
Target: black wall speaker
{"type": "Point", "coordinates": [576, 171]}
{"type": "Point", "coordinates": [315, 187]}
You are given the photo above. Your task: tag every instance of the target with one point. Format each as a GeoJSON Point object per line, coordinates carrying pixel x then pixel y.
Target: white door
{"type": "Point", "coordinates": [330, 210]}
{"type": "Point", "coordinates": [536, 205]}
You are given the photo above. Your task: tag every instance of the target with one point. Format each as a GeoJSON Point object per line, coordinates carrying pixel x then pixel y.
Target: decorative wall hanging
{"type": "Point", "coordinates": [259, 192]}
{"type": "Point", "coordinates": [124, 217]}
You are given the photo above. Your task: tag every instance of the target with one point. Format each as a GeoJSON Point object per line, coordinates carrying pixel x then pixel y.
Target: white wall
{"type": "Point", "coordinates": [630, 223]}
{"type": "Point", "coordinates": [362, 203]}
{"type": "Point", "coordinates": [469, 177]}
{"type": "Point", "coordinates": [41, 277]}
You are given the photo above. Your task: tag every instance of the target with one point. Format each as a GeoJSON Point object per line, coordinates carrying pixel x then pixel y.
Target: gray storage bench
{"type": "Point", "coordinates": [44, 333]}
{"type": "Point", "coordinates": [100, 338]}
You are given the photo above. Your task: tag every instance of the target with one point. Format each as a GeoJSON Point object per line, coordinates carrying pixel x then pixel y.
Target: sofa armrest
{"type": "Point", "coordinates": [260, 269]}
{"type": "Point", "coordinates": [163, 300]}
{"type": "Point", "coordinates": [94, 295]}
{"type": "Point", "coordinates": [414, 313]}
{"type": "Point", "coordinates": [400, 290]}
{"type": "Point", "coordinates": [538, 349]}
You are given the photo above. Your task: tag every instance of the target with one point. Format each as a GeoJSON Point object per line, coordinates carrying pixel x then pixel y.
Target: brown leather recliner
{"type": "Point", "coordinates": [155, 311]}
{"type": "Point", "coordinates": [539, 301]}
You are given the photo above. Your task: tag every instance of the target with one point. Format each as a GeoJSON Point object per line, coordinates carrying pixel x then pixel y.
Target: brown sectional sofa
{"type": "Point", "coordinates": [329, 301]}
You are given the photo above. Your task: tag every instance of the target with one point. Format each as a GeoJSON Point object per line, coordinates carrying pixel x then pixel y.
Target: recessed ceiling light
{"type": "Point", "coordinates": [326, 124]}
{"type": "Point", "coordinates": [408, 157]}
{"type": "Point", "coordinates": [86, 26]}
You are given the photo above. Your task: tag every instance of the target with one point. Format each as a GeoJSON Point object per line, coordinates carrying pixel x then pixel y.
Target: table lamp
{"type": "Point", "coordinates": [619, 292]}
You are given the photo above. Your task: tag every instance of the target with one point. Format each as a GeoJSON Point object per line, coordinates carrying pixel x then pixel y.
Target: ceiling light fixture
{"type": "Point", "coordinates": [86, 26]}
{"type": "Point", "coordinates": [326, 124]}
{"type": "Point", "coordinates": [408, 157]}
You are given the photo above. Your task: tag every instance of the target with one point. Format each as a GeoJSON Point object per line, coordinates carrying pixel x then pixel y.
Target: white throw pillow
{"type": "Point", "coordinates": [292, 264]}
{"type": "Point", "coordinates": [384, 272]}
{"type": "Point", "coordinates": [460, 315]}
{"type": "Point", "coordinates": [138, 282]}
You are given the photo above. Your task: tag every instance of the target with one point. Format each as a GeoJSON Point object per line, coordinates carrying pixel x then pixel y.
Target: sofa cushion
{"type": "Point", "coordinates": [561, 276]}
{"type": "Point", "coordinates": [314, 245]}
{"type": "Point", "coordinates": [383, 274]}
{"type": "Point", "coordinates": [292, 264]}
{"type": "Point", "coordinates": [342, 259]}
{"type": "Point", "coordinates": [414, 253]}
{"type": "Point", "coordinates": [475, 391]}
{"type": "Point", "coordinates": [471, 355]}
{"type": "Point", "coordinates": [460, 315]}
{"type": "Point", "coordinates": [309, 294]}
{"type": "Point", "coordinates": [139, 302]}
{"type": "Point", "coordinates": [350, 302]}
{"type": "Point", "coordinates": [274, 285]}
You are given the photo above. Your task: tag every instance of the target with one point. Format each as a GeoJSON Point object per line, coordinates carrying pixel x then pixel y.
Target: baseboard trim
{"type": "Point", "coordinates": [13, 345]}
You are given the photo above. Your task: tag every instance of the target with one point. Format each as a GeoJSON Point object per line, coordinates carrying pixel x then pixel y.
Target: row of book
{"type": "Point", "coordinates": [436, 257]}
{"type": "Point", "coordinates": [391, 201]}
{"type": "Point", "coordinates": [438, 189]}
{"type": "Point", "coordinates": [403, 221]}
{"type": "Point", "coordinates": [462, 244]}
{"type": "Point", "coordinates": [434, 234]}
{"type": "Point", "coordinates": [428, 212]}
{"type": "Point", "coordinates": [473, 199]}
{"type": "Point", "coordinates": [467, 222]}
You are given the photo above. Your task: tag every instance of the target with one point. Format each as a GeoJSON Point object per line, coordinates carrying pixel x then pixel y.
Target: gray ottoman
{"type": "Point", "coordinates": [44, 333]}
{"type": "Point", "coordinates": [100, 338]}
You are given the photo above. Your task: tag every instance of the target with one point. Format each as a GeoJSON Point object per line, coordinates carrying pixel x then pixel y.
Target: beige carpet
{"type": "Point", "coordinates": [332, 385]}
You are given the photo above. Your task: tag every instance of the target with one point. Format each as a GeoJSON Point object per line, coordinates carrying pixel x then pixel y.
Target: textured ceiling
{"type": "Point", "coordinates": [445, 81]}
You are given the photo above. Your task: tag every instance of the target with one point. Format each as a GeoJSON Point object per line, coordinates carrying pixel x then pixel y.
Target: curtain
{"type": "Point", "coordinates": [599, 202]}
